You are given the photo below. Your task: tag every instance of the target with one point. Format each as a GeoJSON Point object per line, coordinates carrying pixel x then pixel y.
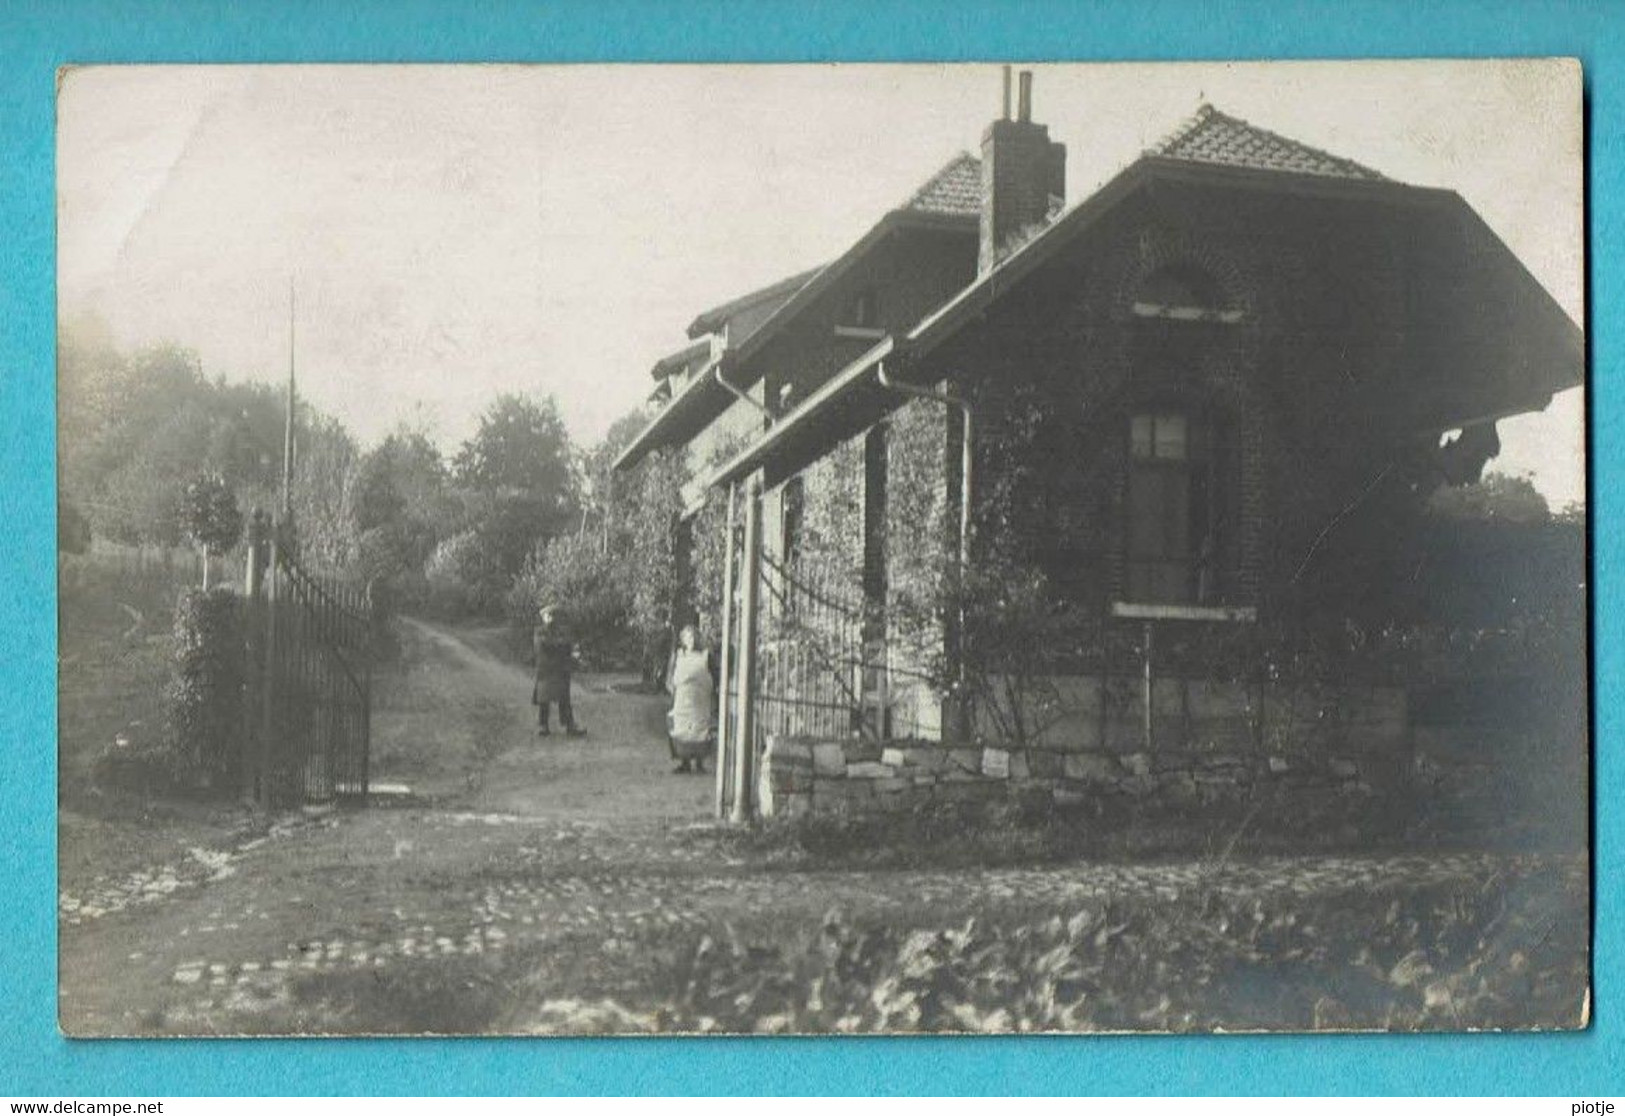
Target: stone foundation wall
{"type": "Point", "coordinates": [1351, 743]}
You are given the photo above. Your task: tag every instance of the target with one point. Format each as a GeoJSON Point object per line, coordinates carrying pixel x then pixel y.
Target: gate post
{"type": "Point", "coordinates": [744, 803]}
{"type": "Point", "coordinates": [726, 664]}
{"type": "Point", "coordinates": [263, 759]}
{"type": "Point", "coordinates": [254, 664]}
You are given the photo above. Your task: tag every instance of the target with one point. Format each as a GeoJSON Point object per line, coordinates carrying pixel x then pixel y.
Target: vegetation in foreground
{"type": "Point", "coordinates": [1262, 946]}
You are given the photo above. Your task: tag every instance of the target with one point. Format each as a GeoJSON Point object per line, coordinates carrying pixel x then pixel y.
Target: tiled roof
{"type": "Point", "coordinates": [954, 191]}
{"type": "Point", "coordinates": [1212, 137]}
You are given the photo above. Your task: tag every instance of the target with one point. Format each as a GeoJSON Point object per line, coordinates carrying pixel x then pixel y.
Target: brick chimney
{"type": "Point", "coordinates": [1023, 175]}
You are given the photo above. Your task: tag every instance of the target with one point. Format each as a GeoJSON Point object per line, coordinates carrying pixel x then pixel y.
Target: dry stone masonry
{"type": "Point", "coordinates": [1210, 742]}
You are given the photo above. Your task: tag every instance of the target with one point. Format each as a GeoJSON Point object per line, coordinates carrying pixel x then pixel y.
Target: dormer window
{"type": "Point", "coordinates": [861, 316]}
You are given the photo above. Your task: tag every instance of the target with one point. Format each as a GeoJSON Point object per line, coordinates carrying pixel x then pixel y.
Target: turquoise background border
{"type": "Point", "coordinates": [36, 38]}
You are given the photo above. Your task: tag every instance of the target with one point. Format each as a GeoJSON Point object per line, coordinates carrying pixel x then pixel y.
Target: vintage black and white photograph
{"type": "Point", "coordinates": [822, 549]}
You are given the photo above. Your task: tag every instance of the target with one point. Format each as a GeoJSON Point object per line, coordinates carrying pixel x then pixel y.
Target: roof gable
{"type": "Point", "coordinates": [1213, 137]}
{"type": "Point", "coordinates": [939, 204]}
{"type": "Point", "coordinates": [949, 201]}
{"type": "Point", "coordinates": [1474, 252]}
{"type": "Point", "coordinates": [713, 319]}
{"type": "Point", "coordinates": [954, 191]}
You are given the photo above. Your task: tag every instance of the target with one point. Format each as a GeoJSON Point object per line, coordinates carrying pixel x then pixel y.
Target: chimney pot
{"type": "Point", "coordinates": [1005, 114]}
{"type": "Point", "coordinates": [1024, 109]}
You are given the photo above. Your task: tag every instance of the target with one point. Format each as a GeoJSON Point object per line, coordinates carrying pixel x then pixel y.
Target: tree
{"type": "Point", "coordinates": [403, 506]}
{"type": "Point", "coordinates": [134, 430]}
{"type": "Point", "coordinates": [324, 482]}
{"type": "Point", "coordinates": [211, 517]}
{"type": "Point", "coordinates": [521, 445]}
{"type": "Point", "coordinates": [610, 496]}
{"type": "Point", "coordinates": [110, 406]}
{"type": "Point", "coordinates": [1498, 496]}
{"type": "Point", "coordinates": [138, 499]}
{"type": "Point", "coordinates": [518, 487]}
{"type": "Point", "coordinates": [575, 572]}
{"type": "Point", "coordinates": [137, 430]}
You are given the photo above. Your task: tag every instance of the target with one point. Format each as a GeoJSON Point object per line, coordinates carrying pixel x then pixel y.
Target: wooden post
{"type": "Point", "coordinates": [723, 767]}
{"type": "Point", "coordinates": [744, 758]}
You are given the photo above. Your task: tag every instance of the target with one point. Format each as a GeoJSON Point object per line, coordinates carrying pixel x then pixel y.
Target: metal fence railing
{"type": "Point", "coordinates": [817, 675]}
{"type": "Point", "coordinates": [308, 709]}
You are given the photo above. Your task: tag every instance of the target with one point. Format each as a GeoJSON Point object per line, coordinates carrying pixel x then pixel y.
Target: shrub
{"type": "Point", "coordinates": [452, 575]}
{"type": "Point", "coordinates": [204, 697]}
{"type": "Point", "coordinates": [654, 573]}
{"type": "Point", "coordinates": [578, 574]}
{"type": "Point", "coordinates": [1486, 950]}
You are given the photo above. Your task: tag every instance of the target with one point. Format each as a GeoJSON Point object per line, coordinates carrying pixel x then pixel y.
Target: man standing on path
{"type": "Point", "coordinates": [554, 655]}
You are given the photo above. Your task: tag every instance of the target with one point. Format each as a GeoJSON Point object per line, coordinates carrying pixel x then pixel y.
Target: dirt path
{"type": "Point", "coordinates": [620, 771]}
{"type": "Point", "coordinates": [541, 885]}
{"type": "Point", "coordinates": [211, 937]}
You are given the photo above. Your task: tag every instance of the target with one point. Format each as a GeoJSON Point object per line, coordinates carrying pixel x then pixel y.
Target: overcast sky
{"type": "Point", "coordinates": [456, 231]}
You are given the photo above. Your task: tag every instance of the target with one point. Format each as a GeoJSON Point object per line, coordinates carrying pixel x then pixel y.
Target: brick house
{"type": "Point", "coordinates": [1204, 404]}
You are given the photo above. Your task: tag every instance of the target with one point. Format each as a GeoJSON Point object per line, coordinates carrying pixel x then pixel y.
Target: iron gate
{"type": "Point", "coordinates": [802, 654]}
{"type": "Point", "coordinates": [309, 699]}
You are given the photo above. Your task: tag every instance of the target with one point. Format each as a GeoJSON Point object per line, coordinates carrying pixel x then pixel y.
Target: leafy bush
{"type": "Point", "coordinates": [146, 765]}
{"type": "Point", "coordinates": [455, 575]}
{"type": "Point", "coordinates": [654, 503]}
{"type": "Point", "coordinates": [1493, 951]}
{"type": "Point", "coordinates": [210, 516]}
{"type": "Point", "coordinates": [577, 573]}
{"type": "Point", "coordinates": [1030, 828]}
{"type": "Point", "coordinates": [204, 697]}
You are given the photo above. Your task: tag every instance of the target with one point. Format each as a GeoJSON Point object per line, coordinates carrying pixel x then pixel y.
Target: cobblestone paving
{"type": "Point", "coordinates": [569, 857]}
{"type": "Point", "coordinates": [420, 890]}
{"type": "Point", "coordinates": [112, 894]}
{"type": "Point", "coordinates": [589, 883]}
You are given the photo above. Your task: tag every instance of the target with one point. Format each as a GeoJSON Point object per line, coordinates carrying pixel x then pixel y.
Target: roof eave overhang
{"type": "Point", "coordinates": [974, 300]}
{"type": "Point", "coordinates": [687, 408]}
{"type": "Point", "coordinates": [739, 370]}
{"type": "Point", "coordinates": [753, 456]}
{"type": "Point", "coordinates": [680, 359]}
{"type": "Point", "coordinates": [897, 219]}
{"type": "Point", "coordinates": [1295, 183]}
{"type": "Point", "coordinates": [936, 327]}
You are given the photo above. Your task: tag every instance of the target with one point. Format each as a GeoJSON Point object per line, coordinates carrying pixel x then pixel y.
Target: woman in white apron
{"type": "Point", "coordinates": [691, 724]}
